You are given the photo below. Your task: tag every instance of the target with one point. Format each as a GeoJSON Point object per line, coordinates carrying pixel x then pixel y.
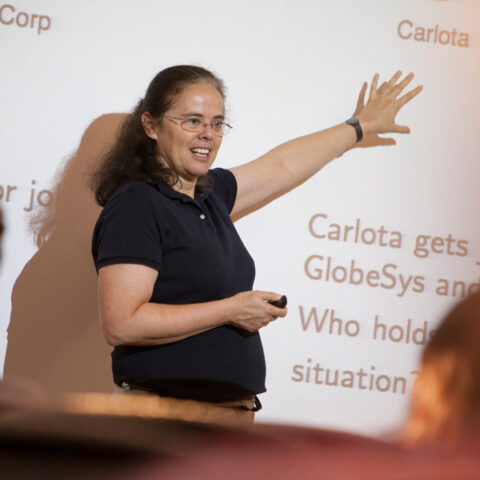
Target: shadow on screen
{"type": "Point", "coordinates": [54, 336]}
{"type": "Point", "coordinates": [2, 228]}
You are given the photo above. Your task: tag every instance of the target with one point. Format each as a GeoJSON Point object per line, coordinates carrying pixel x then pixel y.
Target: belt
{"type": "Point", "coordinates": [251, 404]}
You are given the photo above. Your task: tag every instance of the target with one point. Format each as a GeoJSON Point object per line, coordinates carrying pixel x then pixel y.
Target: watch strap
{"type": "Point", "coordinates": [354, 122]}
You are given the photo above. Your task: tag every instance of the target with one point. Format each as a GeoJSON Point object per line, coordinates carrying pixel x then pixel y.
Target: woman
{"type": "Point", "coordinates": [174, 279]}
{"type": "Point", "coordinates": [446, 398]}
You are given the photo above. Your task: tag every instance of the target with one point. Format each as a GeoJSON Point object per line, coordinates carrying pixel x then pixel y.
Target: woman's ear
{"type": "Point", "coordinates": [149, 126]}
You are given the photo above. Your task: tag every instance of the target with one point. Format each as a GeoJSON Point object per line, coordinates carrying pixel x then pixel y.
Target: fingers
{"type": "Point", "coordinates": [375, 141]}
{"type": "Point", "coordinates": [272, 309]}
{"type": "Point", "coordinates": [395, 77]}
{"type": "Point", "coordinates": [361, 99]}
{"type": "Point", "coordinates": [383, 105]}
{"type": "Point", "coordinates": [401, 129]}
{"type": "Point", "coordinates": [279, 312]}
{"type": "Point", "coordinates": [392, 83]}
{"type": "Point", "coordinates": [400, 86]}
{"type": "Point", "coordinates": [408, 96]}
{"type": "Point", "coordinates": [373, 85]}
{"type": "Point", "coordinates": [267, 295]}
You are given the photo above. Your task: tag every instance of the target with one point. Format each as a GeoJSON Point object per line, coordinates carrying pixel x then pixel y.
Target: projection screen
{"type": "Point", "coordinates": [371, 252]}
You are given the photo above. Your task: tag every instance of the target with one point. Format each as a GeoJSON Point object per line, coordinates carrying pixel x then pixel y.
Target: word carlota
{"type": "Point", "coordinates": [408, 31]}
{"type": "Point", "coordinates": [9, 16]}
{"type": "Point", "coordinates": [320, 227]}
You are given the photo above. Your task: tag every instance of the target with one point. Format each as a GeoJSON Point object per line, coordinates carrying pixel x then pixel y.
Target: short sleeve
{"type": "Point", "coordinates": [128, 231]}
{"type": "Point", "coordinates": [224, 186]}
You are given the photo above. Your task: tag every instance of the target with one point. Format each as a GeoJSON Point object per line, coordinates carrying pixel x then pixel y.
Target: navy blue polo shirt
{"type": "Point", "coordinates": [199, 257]}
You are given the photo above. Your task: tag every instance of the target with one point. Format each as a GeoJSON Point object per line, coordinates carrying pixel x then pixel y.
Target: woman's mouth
{"type": "Point", "coordinates": [202, 153]}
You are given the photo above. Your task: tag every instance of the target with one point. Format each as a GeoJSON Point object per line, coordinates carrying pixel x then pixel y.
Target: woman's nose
{"type": "Point", "coordinates": [207, 131]}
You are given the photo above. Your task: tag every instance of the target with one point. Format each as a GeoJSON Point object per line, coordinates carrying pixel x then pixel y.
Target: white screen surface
{"type": "Point", "coordinates": [405, 211]}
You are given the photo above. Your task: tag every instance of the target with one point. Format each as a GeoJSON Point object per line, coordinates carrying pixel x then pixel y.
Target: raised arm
{"type": "Point", "coordinates": [129, 318]}
{"type": "Point", "coordinates": [291, 163]}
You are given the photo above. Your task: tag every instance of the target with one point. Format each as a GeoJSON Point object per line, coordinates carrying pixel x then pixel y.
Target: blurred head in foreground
{"type": "Point", "coordinates": [446, 398]}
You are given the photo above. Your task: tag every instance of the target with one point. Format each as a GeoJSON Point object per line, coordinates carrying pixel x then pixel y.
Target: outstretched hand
{"type": "Point", "coordinates": [372, 140]}
{"type": "Point", "coordinates": [383, 104]}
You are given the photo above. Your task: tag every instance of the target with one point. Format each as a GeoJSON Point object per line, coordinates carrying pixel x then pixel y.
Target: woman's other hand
{"type": "Point", "coordinates": [251, 310]}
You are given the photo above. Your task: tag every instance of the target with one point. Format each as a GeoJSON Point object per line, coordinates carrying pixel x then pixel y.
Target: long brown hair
{"type": "Point", "coordinates": [446, 396]}
{"type": "Point", "coordinates": [133, 156]}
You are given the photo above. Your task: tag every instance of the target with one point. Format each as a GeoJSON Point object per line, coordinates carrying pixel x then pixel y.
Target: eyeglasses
{"type": "Point", "coordinates": [194, 124]}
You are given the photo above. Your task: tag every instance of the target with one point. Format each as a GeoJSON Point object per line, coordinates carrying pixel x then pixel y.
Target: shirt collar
{"type": "Point", "coordinates": [169, 192]}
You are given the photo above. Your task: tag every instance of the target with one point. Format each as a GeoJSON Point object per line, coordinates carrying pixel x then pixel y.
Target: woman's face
{"type": "Point", "coordinates": [178, 148]}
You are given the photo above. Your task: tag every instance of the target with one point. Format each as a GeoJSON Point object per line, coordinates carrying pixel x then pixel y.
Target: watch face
{"type": "Point", "coordinates": [352, 121]}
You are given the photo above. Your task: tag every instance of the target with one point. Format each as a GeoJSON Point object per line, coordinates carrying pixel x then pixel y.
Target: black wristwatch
{"type": "Point", "coordinates": [356, 125]}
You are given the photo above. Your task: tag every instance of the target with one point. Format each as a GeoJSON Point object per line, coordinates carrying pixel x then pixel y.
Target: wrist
{"type": "Point", "coordinates": [355, 124]}
{"type": "Point", "coordinates": [227, 316]}
{"type": "Point", "coordinates": [366, 125]}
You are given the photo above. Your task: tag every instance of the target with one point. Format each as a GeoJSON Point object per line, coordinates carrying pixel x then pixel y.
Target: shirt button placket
{"type": "Point", "coordinates": [207, 222]}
